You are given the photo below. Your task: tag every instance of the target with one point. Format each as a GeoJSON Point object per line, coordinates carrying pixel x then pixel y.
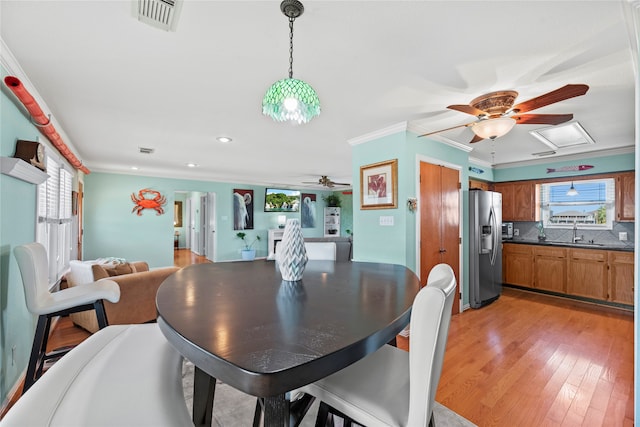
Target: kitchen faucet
{"type": "Point", "coordinates": [575, 232]}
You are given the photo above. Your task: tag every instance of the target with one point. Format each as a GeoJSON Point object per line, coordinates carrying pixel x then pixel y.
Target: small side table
{"type": "Point", "coordinates": [176, 240]}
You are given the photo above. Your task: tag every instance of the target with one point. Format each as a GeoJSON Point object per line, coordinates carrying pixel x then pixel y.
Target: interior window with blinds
{"type": "Point", "coordinates": [591, 205]}
{"type": "Point", "coordinates": [53, 228]}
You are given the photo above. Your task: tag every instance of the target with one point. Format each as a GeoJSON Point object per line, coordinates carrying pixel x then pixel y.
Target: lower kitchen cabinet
{"type": "Point", "coordinates": [517, 264]}
{"type": "Point", "coordinates": [621, 277]}
{"type": "Point", "coordinates": [550, 269]}
{"type": "Point", "coordinates": [588, 273]}
{"type": "Point", "coordinates": [596, 274]}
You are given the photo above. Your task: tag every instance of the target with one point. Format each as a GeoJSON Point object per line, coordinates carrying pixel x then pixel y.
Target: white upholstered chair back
{"type": "Point", "coordinates": [34, 268]}
{"type": "Point", "coordinates": [430, 319]}
{"type": "Point", "coordinates": [323, 251]}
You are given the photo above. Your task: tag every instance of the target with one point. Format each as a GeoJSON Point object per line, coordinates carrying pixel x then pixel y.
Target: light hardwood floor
{"type": "Point", "coordinates": [525, 360]}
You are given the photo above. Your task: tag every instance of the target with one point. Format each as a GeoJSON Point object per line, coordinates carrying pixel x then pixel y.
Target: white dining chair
{"type": "Point", "coordinates": [392, 387]}
{"type": "Point", "coordinates": [323, 251]}
{"type": "Point", "coordinates": [33, 266]}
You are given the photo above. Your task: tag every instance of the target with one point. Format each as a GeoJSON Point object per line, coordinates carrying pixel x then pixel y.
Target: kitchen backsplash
{"type": "Point", "coordinates": [529, 231]}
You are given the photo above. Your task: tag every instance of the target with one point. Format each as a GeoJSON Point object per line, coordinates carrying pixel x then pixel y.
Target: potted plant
{"type": "Point", "coordinates": [248, 253]}
{"type": "Point", "coordinates": [332, 200]}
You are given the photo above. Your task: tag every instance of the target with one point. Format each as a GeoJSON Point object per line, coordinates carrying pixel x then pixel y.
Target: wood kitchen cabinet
{"type": "Point", "coordinates": [625, 196]}
{"type": "Point", "coordinates": [621, 277]}
{"type": "Point", "coordinates": [517, 264]}
{"type": "Point", "coordinates": [481, 185]}
{"type": "Point", "coordinates": [518, 200]}
{"type": "Point", "coordinates": [597, 274]}
{"type": "Point", "coordinates": [550, 269]}
{"type": "Point", "coordinates": [588, 273]}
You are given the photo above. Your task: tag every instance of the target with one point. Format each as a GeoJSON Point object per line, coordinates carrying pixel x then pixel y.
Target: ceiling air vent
{"type": "Point", "coordinates": [145, 150]}
{"type": "Point", "coordinates": [563, 135]}
{"type": "Point", "coordinates": [161, 14]}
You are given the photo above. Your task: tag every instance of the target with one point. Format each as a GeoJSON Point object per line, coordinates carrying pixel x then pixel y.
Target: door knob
{"type": "Point", "coordinates": [442, 250]}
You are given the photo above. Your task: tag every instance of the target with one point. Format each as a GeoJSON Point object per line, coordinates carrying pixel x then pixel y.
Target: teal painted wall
{"type": "Point", "coordinates": [373, 242]}
{"type": "Point", "coordinates": [111, 229]}
{"type": "Point", "coordinates": [17, 227]}
{"type": "Point", "coordinates": [604, 164]}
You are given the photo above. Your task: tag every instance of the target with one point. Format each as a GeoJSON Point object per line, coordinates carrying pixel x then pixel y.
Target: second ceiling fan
{"type": "Point", "coordinates": [497, 115]}
{"type": "Point", "coordinates": [325, 181]}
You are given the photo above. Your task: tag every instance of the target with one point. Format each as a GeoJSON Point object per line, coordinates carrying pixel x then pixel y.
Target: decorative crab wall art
{"type": "Point", "coordinates": [155, 201]}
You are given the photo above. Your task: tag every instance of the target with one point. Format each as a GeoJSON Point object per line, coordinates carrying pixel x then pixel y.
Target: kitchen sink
{"type": "Point", "coordinates": [555, 242]}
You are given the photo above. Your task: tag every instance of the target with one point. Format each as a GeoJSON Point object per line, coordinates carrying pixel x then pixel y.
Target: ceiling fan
{"type": "Point", "coordinates": [326, 182]}
{"type": "Point", "coordinates": [497, 115]}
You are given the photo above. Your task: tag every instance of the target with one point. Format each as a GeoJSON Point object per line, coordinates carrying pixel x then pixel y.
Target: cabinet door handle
{"type": "Point", "coordinates": [442, 250]}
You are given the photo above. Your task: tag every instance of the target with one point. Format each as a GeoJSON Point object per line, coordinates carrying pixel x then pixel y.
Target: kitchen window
{"type": "Point", "coordinates": [53, 227]}
{"type": "Point", "coordinates": [593, 207]}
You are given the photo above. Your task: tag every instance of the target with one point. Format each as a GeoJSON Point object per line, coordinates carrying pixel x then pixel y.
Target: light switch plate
{"type": "Point", "coordinates": [386, 220]}
{"type": "Point", "coordinates": [622, 235]}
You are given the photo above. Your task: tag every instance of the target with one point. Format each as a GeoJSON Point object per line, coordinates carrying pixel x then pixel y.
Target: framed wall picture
{"type": "Point", "coordinates": [308, 210]}
{"type": "Point", "coordinates": [379, 185]}
{"type": "Point", "coordinates": [242, 209]}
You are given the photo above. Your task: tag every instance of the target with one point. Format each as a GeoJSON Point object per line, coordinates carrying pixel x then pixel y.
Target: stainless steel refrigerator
{"type": "Point", "coordinates": [485, 247]}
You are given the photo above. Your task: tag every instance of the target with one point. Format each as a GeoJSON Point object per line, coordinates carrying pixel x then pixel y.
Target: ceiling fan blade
{"type": "Point", "coordinates": [542, 119]}
{"type": "Point", "coordinates": [475, 139]}
{"type": "Point", "coordinates": [444, 130]}
{"type": "Point", "coordinates": [565, 92]}
{"type": "Point", "coordinates": [467, 109]}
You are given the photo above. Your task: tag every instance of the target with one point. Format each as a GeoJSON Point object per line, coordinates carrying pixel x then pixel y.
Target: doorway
{"type": "Point", "coordinates": [439, 220]}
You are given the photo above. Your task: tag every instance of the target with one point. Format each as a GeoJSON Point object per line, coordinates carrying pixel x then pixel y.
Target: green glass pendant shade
{"type": "Point", "coordinates": [291, 100]}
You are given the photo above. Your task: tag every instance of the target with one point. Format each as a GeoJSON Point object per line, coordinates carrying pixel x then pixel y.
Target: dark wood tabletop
{"type": "Point", "coordinates": [240, 323]}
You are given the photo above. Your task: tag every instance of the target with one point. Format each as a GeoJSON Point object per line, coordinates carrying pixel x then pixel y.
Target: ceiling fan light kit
{"type": "Point", "coordinates": [493, 128]}
{"type": "Point", "coordinates": [291, 99]}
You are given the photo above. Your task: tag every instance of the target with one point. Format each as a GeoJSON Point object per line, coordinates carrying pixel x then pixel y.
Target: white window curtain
{"type": "Point", "coordinates": [53, 228]}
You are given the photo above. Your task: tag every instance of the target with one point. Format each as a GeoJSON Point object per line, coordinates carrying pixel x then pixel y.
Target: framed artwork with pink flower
{"type": "Point", "coordinates": [379, 185]}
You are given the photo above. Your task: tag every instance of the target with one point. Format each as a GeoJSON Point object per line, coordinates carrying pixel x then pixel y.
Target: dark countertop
{"type": "Point", "coordinates": [601, 246]}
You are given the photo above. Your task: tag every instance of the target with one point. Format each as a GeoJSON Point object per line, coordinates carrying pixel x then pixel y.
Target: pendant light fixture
{"type": "Point", "coordinates": [572, 190]}
{"type": "Point", "coordinates": [291, 99]}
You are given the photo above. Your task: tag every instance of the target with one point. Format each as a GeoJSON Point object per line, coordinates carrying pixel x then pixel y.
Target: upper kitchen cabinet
{"type": "Point", "coordinates": [518, 200]}
{"type": "Point", "coordinates": [479, 185]}
{"type": "Point", "coordinates": [625, 198]}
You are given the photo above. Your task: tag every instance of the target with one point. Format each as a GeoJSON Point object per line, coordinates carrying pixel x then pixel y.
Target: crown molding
{"type": "Point", "coordinates": [389, 130]}
{"type": "Point", "coordinates": [480, 162]}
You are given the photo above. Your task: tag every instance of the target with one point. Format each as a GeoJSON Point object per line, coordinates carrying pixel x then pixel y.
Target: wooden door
{"type": "Point", "coordinates": [440, 221]}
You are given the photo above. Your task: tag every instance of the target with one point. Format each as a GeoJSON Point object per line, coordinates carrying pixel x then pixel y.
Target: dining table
{"type": "Point", "coordinates": [240, 323]}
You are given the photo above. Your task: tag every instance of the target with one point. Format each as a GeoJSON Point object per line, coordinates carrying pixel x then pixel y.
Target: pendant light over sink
{"type": "Point", "coordinates": [291, 99]}
{"type": "Point", "coordinates": [572, 191]}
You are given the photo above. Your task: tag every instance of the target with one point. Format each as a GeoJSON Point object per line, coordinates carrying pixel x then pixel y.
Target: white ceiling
{"type": "Point", "coordinates": [114, 84]}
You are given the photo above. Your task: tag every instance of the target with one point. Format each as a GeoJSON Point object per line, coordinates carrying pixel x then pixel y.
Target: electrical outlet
{"type": "Point", "coordinates": [516, 231]}
{"type": "Point", "coordinates": [386, 220]}
{"type": "Point", "coordinates": [622, 235]}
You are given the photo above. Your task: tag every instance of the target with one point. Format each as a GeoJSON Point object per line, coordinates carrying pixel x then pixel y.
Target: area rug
{"type": "Point", "coordinates": [232, 408]}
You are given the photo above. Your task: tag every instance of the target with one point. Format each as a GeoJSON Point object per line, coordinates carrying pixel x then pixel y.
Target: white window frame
{"type": "Point", "coordinates": [54, 215]}
{"type": "Point", "coordinates": [546, 207]}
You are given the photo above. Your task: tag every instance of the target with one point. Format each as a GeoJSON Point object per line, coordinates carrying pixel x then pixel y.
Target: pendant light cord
{"type": "Point", "coordinates": [291, 19]}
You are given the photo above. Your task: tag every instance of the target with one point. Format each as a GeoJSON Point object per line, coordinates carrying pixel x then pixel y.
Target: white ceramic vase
{"type": "Point", "coordinates": [292, 255]}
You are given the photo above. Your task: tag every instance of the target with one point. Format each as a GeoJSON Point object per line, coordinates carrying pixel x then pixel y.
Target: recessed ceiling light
{"type": "Point", "coordinates": [135, 168]}
{"type": "Point", "coordinates": [224, 139]}
{"type": "Point", "coordinates": [192, 165]}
